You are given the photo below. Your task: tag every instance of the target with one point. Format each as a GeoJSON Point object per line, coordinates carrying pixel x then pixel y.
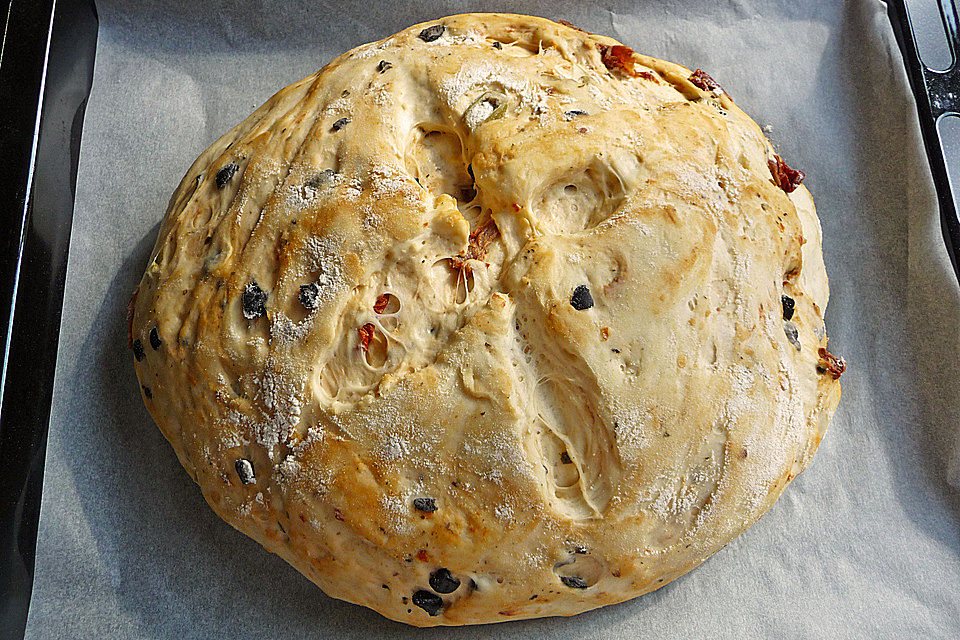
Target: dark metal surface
{"type": "Point", "coordinates": [937, 94]}
{"type": "Point", "coordinates": [46, 67]}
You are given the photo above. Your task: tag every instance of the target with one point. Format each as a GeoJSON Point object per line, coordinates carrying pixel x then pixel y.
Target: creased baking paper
{"type": "Point", "coordinates": [864, 544]}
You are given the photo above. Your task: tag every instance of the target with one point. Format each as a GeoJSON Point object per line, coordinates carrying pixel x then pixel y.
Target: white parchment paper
{"type": "Point", "coordinates": [865, 544]}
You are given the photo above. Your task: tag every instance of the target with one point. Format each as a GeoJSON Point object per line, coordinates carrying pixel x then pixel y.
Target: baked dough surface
{"type": "Point", "coordinates": [492, 319]}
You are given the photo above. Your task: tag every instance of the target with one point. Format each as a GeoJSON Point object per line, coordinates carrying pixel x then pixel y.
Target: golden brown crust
{"type": "Point", "coordinates": [485, 321]}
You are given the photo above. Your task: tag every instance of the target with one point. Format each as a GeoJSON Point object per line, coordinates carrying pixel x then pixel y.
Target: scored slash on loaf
{"type": "Point", "coordinates": [492, 319]}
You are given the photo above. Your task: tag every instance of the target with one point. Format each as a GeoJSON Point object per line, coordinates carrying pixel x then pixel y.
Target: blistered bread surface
{"type": "Point", "coordinates": [492, 319]}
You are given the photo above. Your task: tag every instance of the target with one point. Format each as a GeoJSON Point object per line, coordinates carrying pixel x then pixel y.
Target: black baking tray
{"type": "Point", "coordinates": [46, 70]}
{"type": "Point", "coordinates": [937, 94]}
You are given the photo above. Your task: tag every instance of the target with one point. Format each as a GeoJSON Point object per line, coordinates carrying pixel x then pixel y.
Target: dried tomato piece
{"type": "Point", "coordinates": [783, 176]}
{"type": "Point", "coordinates": [620, 58]}
{"type": "Point", "coordinates": [366, 334]}
{"type": "Point", "coordinates": [477, 247]}
{"type": "Point", "coordinates": [382, 301]}
{"type": "Point", "coordinates": [480, 237]}
{"type": "Point", "coordinates": [617, 58]}
{"type": "Point", "coordinates": [703, 80]}
{"type": "Point", "coordinates": [830, 363]}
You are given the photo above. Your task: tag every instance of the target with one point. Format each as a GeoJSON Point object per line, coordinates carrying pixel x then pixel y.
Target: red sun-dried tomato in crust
{"type": "Point", "coordinates": [617, 58]}
{"type": "Point", "coordinates": [703, 80]}
{"type": "Point", "coordinates": [620, 58]}
{"type": "Point", "coordinates": [366, 334]}
{"type": "Point", "coordinates": [382, 301]}
{"type": "Point", "coordinates": [783, 176]}
{"type": "Point", "coordinates": [477, 247]}
{"type": "Point", "coordinates": [830, 363]}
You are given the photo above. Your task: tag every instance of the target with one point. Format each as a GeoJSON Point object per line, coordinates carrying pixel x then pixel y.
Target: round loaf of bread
{"type": "Point", "coordinates": [492, 319]}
